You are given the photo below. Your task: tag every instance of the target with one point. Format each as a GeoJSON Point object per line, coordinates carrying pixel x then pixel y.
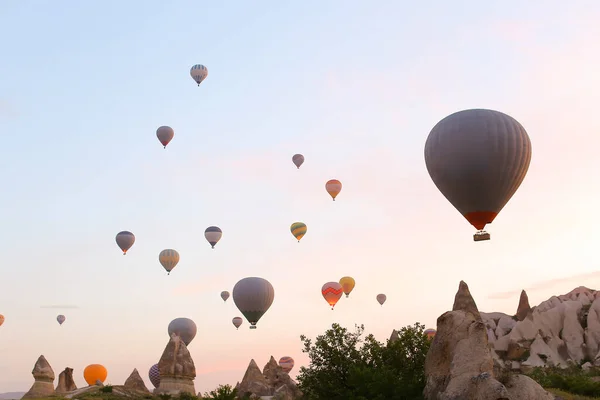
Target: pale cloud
{"type": "Point", "coordinates": [547, 284]}
{"type": "Point", "coordinates": [60, 306]}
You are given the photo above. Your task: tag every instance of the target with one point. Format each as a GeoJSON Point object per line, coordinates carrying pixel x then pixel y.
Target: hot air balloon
{"type": "Point", "coordinates": [154, 375]}
{"type": "Point", "coordinates": [333, 187]}
{"type": "Point", "coordinates": [298, 229]}
{"type": "Point", "coordinates": [237, 322]}
{"type": "Point", "coordinates": [125, 240]}
{"type": "Point", "coordinates": [185, 328]}
{"type": "Point", "coordinates": [1, 319]}
{"type": "Point", "coordinates": [213, 235]}
{"type": "Point", "coordinates": [381, 298]}
{"type": "Point", "coordinates": [61, 318]}
{"type": "Point", "coordinates": [478, 159]}
{"type": "Point", "coordinates": [168, 259]}
{"type": "Point", "coordinates": [430, 333]}
{"type": "Point", "coordinates": [332, 292]}
{"type": "Point", "coordinates": [165, 135]}
{"type": "Point", "coordinates": [93, 373]}
{"type": "Point", "coordinates": [298, 160]}
{"type": "Point", "coordinates": [199, 73]}
{"type": "Point", "coordinates": [347, 283]}
{"type": "Point", "coordinates": [286, 363]}
{"type": "Point", "coordinates": [253, 296]}
{"type": "Point", "coordinates": [224, 295]}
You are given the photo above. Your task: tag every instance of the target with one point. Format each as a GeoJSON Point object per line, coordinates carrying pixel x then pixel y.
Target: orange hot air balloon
{"type": "Point", "coordinates": [347, 283]}
{"type": "Point", "coordinates": [93, 373]}
{"type": "Point", "coordinates": [1, 319]}
{"type": "Point", "coordinates": [430, 333]}
{"type": "Point", "coordinates": [333, 187]}
{"type": "Point", "coordinates": [332, 292]}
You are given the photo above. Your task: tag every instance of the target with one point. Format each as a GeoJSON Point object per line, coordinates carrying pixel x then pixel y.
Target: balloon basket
{"type": "Point", "coordinates": [481, 235]}
{"type": "Point", "coordinates": [252, 326]}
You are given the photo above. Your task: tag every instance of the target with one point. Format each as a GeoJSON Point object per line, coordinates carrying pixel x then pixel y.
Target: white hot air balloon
{"type": "Point", "coordinates": [199, 73]}
{"type": "Point", "coordinates": [478, 159]}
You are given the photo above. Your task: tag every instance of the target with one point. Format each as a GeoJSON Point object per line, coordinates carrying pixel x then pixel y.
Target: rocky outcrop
{"type": "Point", "coordinates": [560, 331]}
{"type": "Point", "coordinates": [135, 382]}
{"type": "Point", "coordinates": [460, 364]}
{"type": "Point", "coordinates": [43, 375]}
{"type": "Point", "coordinates": [66, 383]}
{"type": "Point", "coordinates": [394, 336]}
{"type": "Point", "coordinates": [177, 369]}
{"type": "Point", "coordinates": [273, 382]}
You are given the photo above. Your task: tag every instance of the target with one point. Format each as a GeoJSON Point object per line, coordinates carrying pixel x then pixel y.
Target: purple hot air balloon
{"type": "Point", "coordinates": [61, 318]}
{"type": "Point", "coordinates": [154, 375]}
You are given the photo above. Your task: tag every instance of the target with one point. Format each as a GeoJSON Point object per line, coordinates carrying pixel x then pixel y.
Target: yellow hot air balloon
{"type": "Point", "coordinates": [168, 259]}
{"type": "Point", "coordinates": [298, 229]}
{"type": "Point", "coordinates": [333, 187]}
{"type": "Point", "coordinates": [93, 373]}
{"type": "Point", "coordinates": [347, 283]}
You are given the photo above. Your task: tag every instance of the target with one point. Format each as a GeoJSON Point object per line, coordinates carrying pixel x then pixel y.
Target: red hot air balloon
{"type": "Point", "coordinates": [478, 159]}
{"type": "Point", "coordinates": [332, 292]}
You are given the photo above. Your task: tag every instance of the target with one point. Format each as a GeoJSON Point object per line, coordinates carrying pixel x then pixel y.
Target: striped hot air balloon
{"type": "Point", "coordinates": [381, 298]}
{"type": "Point", "coordinates": [199, 73]}
{"type": "Point", "coordinates": [213, 235]}
{"type": "Point", "coordinates": [154, 375]}
{"type": "Point", "coordinates": [430, 333]}
{"type": "Point", "coordinates": [286, 363]}
{"type": "Point", "coordinates": [125, 240]}
{"type": "Point", "coordinates": [237, 322]}
{"type": "Point", "coordinates": [298, 229]}
{"type": "Point", "coordinates": [332, 292]}
{"type": "Point", "coordinates": [168, 259]}
{"type": "Point", "coordinates": [333, 187]}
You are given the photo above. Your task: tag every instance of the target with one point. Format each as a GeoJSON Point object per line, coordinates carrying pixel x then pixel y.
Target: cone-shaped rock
{"type": "Point", "coordinates": [66, 383]}
{"type": "Point", "coordinates": [254, 382]}
{"type": "Point", "coordinates": [43, 375]}
{"type": "Point", "coordinates": [135, 382]}
{"type": "Point", "coordinates": [463, 301]}
{"type": "Point", "coordinates": [177, 370]}
{"type": "Point", "coordinates": [524, 307]}
{"type": "Point", "coordinates": [394, 336]}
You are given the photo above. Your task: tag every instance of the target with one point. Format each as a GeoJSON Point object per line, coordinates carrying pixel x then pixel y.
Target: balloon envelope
{"type": "Point", "coordinates": [298, 229]}
{"type": "Point", "coordinates": [332, 292]}
{"type": "Point", "coordinates": [213, 235]}
{"type": "Point", "coordinates": [347, 283]}
{"type": "Point", "coordinates": [333, 187]}
{"type": "Point", "coordinates": [430, 333]}
{"type": "Point", "coordinates": [125, 240]}
{"type": "Point", "coordinates": [185, 328]}
{"type": "Point", "coordinates": [286, 363]}
{"type": "Point", "coordinates": [61, 318]}
{"type": "Point", "coordinates": [298, 160]}
{"type": "Point", "coordinates": [253, 296]}
{"type": "Point", "coordinates": [154, 375]}
{"type": "Point", "coordinates": [168, 259]}
{"type": "Point", "coordinates": [224, 295]}
{"type": "Point", "coordinates": [165, 135]}
{"type": "Point", "coordinates": [237, 321]}
{"type": "Point", "coordinates": [1, 319]}
{"type": "Point", "coordinates": [478, 159]}
{"type": "Point", "coordinates": [93, 373]}
{"type": "Point", "coordinates": [381, 298]}
{"type": "Point", "coordinates": [199, 73]}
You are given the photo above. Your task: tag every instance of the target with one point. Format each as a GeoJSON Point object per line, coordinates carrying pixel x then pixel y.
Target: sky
{"type": "Point", "coordinates": [354, 86]}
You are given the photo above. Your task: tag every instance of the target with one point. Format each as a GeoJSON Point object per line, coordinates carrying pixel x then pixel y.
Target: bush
{"type": "Point", "coordinates": [222, 392]}
{"type": "Point", "coordinates": [106, 389]}
{"type": "Point", "coordinates": [572, 380]}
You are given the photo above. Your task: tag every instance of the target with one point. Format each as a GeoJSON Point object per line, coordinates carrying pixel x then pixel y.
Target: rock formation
{"type": "Point", "coordinates": [272, 381]}
{"type": "Point", "coordinates": [177, 370]}
{"type": "Point", "coordinates": [459, 364]}
{"type": "Point", "coordinates": [394, 336]}
{"type": "Point", "coordinates": [43, 376]}
{"type": "Point", "coordinates": [66, 383]}
{"type": "Point", "coordinates": [135, 382]}
{"type": "Point", "coordinates": [560, 331]}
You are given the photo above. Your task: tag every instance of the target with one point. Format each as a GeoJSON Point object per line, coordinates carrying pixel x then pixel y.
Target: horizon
{"type": "Point", "coordinates": [356, 89]}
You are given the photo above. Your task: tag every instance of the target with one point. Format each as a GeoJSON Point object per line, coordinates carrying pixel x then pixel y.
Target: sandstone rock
{"type": "Point", "coordinates": [505, 326]}
{"type": "Point", "coordinates": [66, 383]}
{"type": "Point", "coordinates": [282, 385]}
{"type": "Point", "coordinates": [135, 382]}
{"type": "Point", "coordinates": [99, 383]}
{"type": "Point", "coordinates": [394, 336]}
{"type": "Point", "coordinates": [522, 387]}
{"type": "Point", "coordinates": [254, 382]}
{"type": "Point", "coordinates": [464, 301]}
{"type": "Point", "coordinates": [524, 308]}
{"type": "Point", "coordinates": [177, 369]}
{"type": "Point", "coordinates": [43, 376]}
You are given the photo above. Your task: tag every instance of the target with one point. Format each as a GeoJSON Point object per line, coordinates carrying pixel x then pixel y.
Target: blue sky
{"type": "Point", "coordinates": [355, 87]}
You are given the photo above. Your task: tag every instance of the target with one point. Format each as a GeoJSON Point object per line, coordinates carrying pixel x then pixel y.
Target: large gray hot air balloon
{"type": "Point", "coordinates": [253, 296]}
{"type": "Point", "coordinates": [165, 135]}
{"type": "Point", "coordinates": [478, 159]}
{"type": "Point", "coordinates": [185, 328]}
{"type": "Point", "coordinates": [125, 240]}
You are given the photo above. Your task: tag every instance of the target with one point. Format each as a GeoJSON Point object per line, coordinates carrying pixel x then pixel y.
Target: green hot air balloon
{"type": "Point", "coordinates": [298, 229]}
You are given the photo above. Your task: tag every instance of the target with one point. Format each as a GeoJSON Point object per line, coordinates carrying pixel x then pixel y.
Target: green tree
{"type": "Point", "coordinates": [222, 392]}
{"type": "Point", "coordinates": [341, 368]}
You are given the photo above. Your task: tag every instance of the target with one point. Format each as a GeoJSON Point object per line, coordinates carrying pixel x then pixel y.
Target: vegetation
{"type": "Point", "coordinates": [340, 369]}
{"type": "Point", "coordinates": [569, 396]}
{"type": "Point", "coordinates": [572, 380]}
{"type": "Point", "coordinates": [222, 392]}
